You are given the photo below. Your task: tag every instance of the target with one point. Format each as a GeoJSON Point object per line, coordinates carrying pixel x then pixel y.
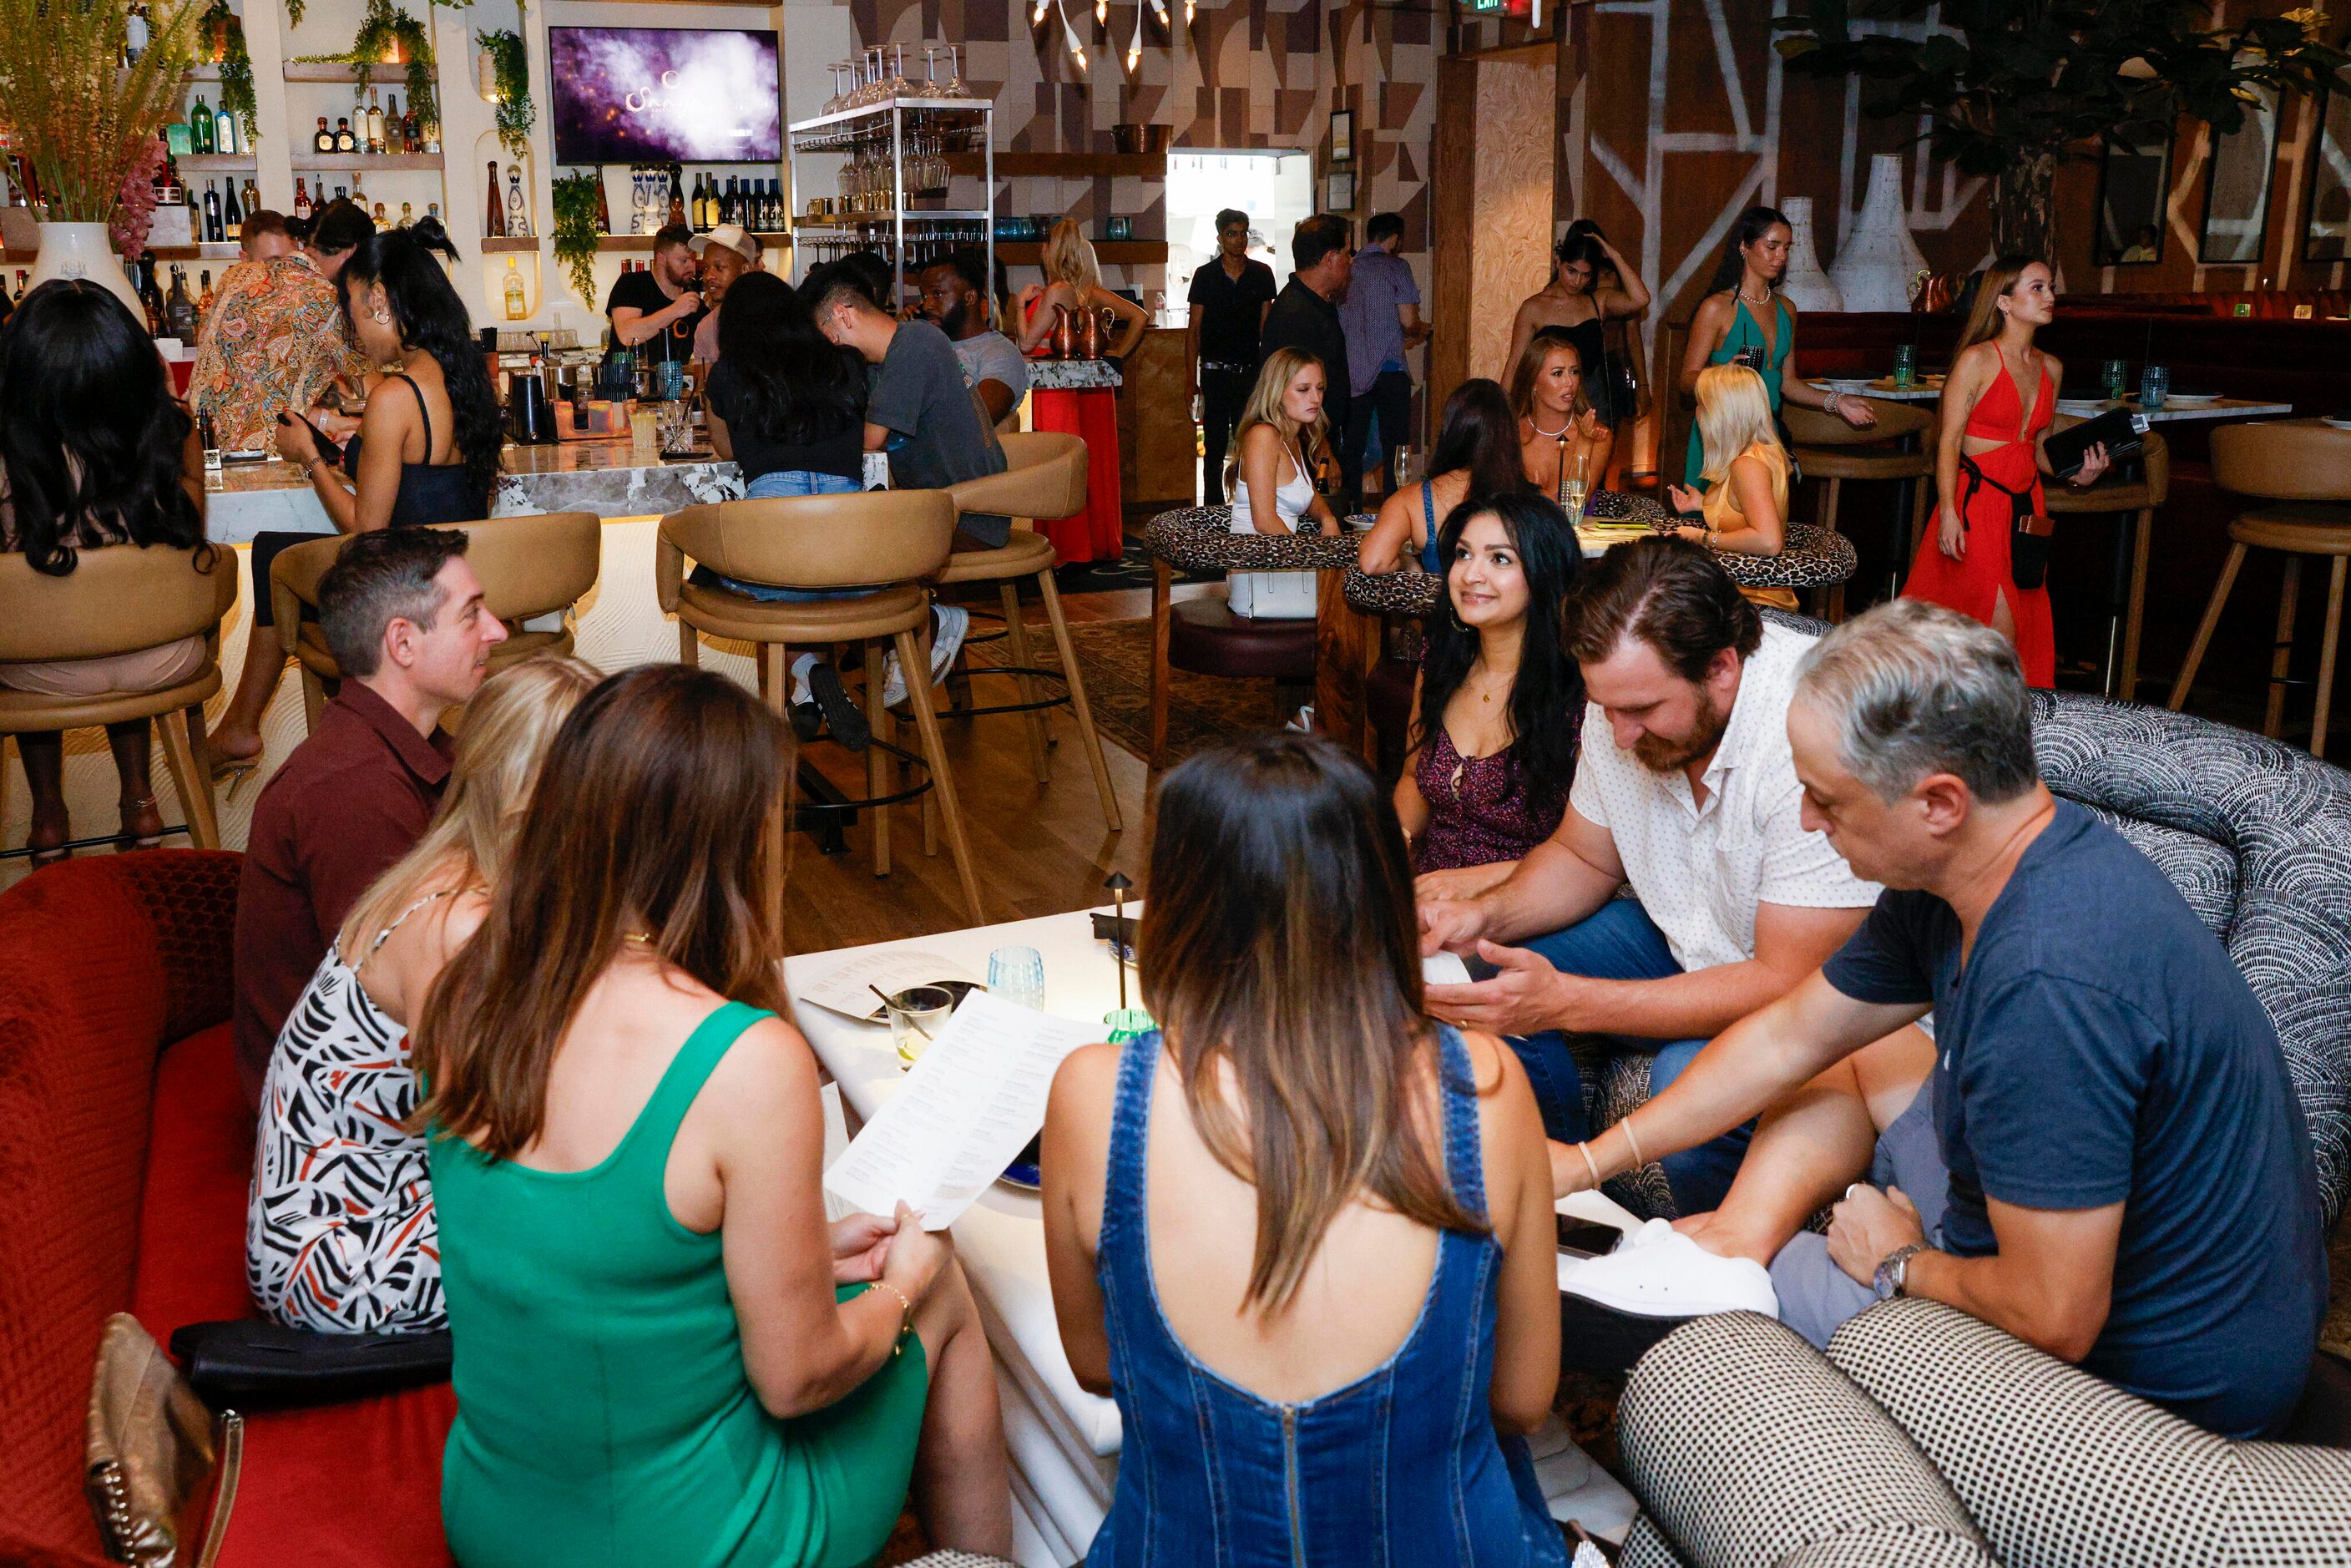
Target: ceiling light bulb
{"type": "Point", "coordinates": [1188, 12]}
{"type": "Point", "coordinates": [1037, 16]}
{"type": "Point", "coordinates": [1133, 56]}
{"type": "Point", "coordinates": [1102, 11]}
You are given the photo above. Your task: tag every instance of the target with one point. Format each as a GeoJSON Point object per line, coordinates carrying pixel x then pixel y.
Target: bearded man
{"type": "Point", "coordinates": [1687, 791]}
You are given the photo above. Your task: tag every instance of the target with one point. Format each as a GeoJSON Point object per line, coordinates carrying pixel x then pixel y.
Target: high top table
{"type": "Point", "coordinates": [1063, 1442]}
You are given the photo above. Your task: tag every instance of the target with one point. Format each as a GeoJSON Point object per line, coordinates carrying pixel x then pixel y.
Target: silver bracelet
{"type": "Point", "coordinates": [1829, 402]}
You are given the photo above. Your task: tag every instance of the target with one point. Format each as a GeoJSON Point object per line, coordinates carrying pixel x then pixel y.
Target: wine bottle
{"type": "Point", "coordinates": [201, 127]}
{"type": "Point", "coordinates": [224, 137]}
{"type": "Point", "coordinates": [517, 208]}
{"type": "Point", "coordinates": [374, 123]}
{"type": "Point", "coordinates": [517, 306]}
{"type": "Point", "coordinates": [494, 214]}
{"type": "Point", "coordinates": [344, 141]}
{"type": "Point", "coordinates": [232, 216]}
{"type": "Point", "coordinates": [214, 233]}
{"type": "Point", "coordinates": [301, 200]}
{"type": "Point", "coordinates": [324, 139]}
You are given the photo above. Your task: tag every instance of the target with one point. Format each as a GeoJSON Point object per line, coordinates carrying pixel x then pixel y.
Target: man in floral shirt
{"type": "Point", "coordinates": [276, 337]}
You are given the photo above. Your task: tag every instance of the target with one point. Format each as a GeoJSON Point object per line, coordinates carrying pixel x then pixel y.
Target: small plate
{"type": "Point", "coordinates": [2338, 421]}
{"type": "Point", "coordinates": [2190, 399]}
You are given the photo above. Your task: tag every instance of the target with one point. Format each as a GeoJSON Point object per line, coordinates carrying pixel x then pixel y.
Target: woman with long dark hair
{"type": "Point", "coordinates": [1744, 317]}
{"type": "Point", "coordinates": [427, 447]}
{"type": "Point", "coordinates": [93, 453]}
{"type": "Point", "coordinates": [1499, 712]}
{"type": "Point", "coordinates": [1989, 464]}
{"type": "Point", "coordinates": [665, 1354]}
{"type": "Point", "coordinates": [1331, 1313]}
{"type": "Point", "coordinates": [1475, 456]}
{"type": "Point", "coordinates": [787, 404]}
{"type": "Point", "coordinates": [1591, 286]}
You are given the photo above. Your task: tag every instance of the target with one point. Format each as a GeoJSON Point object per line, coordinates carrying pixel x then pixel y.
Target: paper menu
{"type": "Point", "coordinates": [1443, 968]}
{"type": "Point", "coordinates": [844, 989]}
{"type": "Point", "coordinates": [969, 1102]}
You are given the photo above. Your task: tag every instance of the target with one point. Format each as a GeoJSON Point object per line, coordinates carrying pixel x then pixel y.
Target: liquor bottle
{"type": "Point", "coordinates": [409, 139]}
{"type": "Point", "coordinates": [341, 193]}
{"type": "Point", "coordinates": [196, 215]}
{"type": "Point", "coordinates": [359, 195]}
{"type": "Point", "coordinates": [518, 208]}
{"type": "Point", "coordinates": [494, 214]}
{"type": "Point", "coordinates": [19, 298]}
{"type": "Point", "coordinates": [432, 137]}
{"type": "Point", "coordinates": [517, 307]}
{"type": "Point", "coordinates": [344, 141]}
{"type": "Point", "coordinates": [252, 198]}
{"type": "Point", "coordinates": [381, 218]}
{"type": "Point", "coordinates": [213, 232]}
{"type": "Point", "coordinates": [676, 193]}
{"type": "Point", "coordinates": [205, 299]}
{"type": "Point", "coordinates": [301, 200]}
{"type": "Point", "coordinates": [323, 139]}
{"type": "Point", "coordinates": [374, 123]}
{"type": "Point", "coordinates": [201, 127]}
{"type": "Point", "coordinates": [232, 217]}
{"type": "Point", "coordinates": [392, 142]}
{"type": "Point", "coordinates": [693, 205]}
{"type": "Point", "coordinates": [225, 135]}
{"type": "Point", "coordinates": [603, 207]}
{"type": "Point", "coordinates": [433, 211]}
{"type": "Point", "coordinates": [180, 311]}
{"type": "Point", "coordinates": [407, 215]}
{"type": "Point", "coordinates": [150, 298]}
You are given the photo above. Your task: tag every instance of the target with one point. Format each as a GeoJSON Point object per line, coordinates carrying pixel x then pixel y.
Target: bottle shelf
{"type": "Point", "coordinates": [886, 219]}
{"type": "Point", "coordinates": [216, 162]}
{"type": "Point", "coordinates": [211, 250]}
{"type": "Point", "coordinates": [495, 246]}
{"type": "Point", "coordinates": [382, 74]}
{"type": "Point", "coordinates": [209, 70]}
{"type": "Point", "coordinates": [642, 245]}
{"type": "Point", "coordinates": [363, 163]}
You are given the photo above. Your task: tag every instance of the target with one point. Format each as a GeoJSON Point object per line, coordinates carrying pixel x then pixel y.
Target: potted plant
{"type": "Point", "coordinates": [222, 41]}
{"type": "Point", "coordinates": [576, 199]}
{"type": "Point", "coordinates": [507, 72]}
{"type": "Point", "coordinates": [84, 123]}
{"type": "Point", "coordinates": [2012, 89]}
{"type": "Point", "coordinates": [388, 35]}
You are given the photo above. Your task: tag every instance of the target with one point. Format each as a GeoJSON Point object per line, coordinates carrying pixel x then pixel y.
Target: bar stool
{"type": "Point", "coordinates": [2308, 467]}
{"type": "Point", "coordinates": [890, 542]}
{"type": "Point", "coordinates": [2136, 500]}
{"type": "Point", "coordinates": [1046, 477]}
{"type": "Point", "coordinates": [1828, 449]}
{"type": "Point", "coordinates": [532, 566]}
{"type": "Point", "coordinates": [121, 601]}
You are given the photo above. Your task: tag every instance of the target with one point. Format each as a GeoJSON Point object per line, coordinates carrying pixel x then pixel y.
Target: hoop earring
{"type": "Point", "coordinates": [382, 318]}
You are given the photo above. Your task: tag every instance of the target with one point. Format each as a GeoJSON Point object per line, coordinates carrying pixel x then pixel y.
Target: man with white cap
{"type": "Point", "coordinates": [726, 253]}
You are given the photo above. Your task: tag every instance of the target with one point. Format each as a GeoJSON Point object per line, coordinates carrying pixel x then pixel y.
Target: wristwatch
{"type": "Point", "coordinates": [1894, 1268]}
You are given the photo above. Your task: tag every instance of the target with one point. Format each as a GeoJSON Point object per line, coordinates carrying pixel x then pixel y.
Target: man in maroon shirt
{"type": "Point", "coordinates": [403, 613]}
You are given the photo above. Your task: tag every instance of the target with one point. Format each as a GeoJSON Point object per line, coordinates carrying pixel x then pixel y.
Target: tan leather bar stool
{"type": "Point", "coordinates": [2308, 467]}
{"type": "Point", "coordinates": [2136, 500]}
{"type": "Point", "coordinates": [892, 542]}
{"type": "Point", "coordinates": [1046, 477]}
{"type": "Point", "coordinates": [120, 601]}
{"type": "Point", "coordinates": [1828, 449]}
{"type": "Point", "coordinates": [538, 564]}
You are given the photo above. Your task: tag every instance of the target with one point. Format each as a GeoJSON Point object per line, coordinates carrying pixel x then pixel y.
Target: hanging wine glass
{"type": "Point", "coordinates": [930, 70]}
{"type": "Point", "coordinates": [832, 105]}
{"type": "Point", "coordinates": [954, 87]}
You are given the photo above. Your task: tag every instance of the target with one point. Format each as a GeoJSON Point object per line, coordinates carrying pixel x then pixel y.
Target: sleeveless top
{"type": "Point", "coordinates": [429, 492]}
{"type": "Point", "coordinates": [1591, 356]}
{"type": "Point", "coordinates": [340, 1231]}
{"type": "Point", "coordinates": [1274, 594]}
{"type": "Point", "coordinates": [1401, 1466]}
{"type": "Point", "coordinates": [1289, 500]}
{"type": "Point", "coordinates": [1478, 811]}
{"type": "Point", "coordinates": [1720, 506]}
{"type": "Point", "coordinates": [1745, 334]}
{"type": "Point", "coordinates": [603, 1414]}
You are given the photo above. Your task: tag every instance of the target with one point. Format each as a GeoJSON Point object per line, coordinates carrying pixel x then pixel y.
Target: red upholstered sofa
{"type": "Point", "coordinates": [125, 1150]}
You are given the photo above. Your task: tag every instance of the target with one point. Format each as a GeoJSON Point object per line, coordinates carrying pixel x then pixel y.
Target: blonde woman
{"type": "Point", "coordinates": [1074, 279]}
{"type": "Point", "coordinates": [340, 1233]}
{"type": "Point", "coordinates": [1280, 441]}
{"type": "Point", "coordinates": [1744, 471]}
{"type": "Point", "coordinates": [1559, 433]}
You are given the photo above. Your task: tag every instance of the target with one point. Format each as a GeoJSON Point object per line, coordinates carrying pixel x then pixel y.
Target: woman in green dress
{"type": "Point", "coordinates": [1743, 315]}
{"type": "Point", "coordinates": [664, 1356]}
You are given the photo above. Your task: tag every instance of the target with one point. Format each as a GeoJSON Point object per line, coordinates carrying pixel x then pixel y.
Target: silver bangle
{"type": "Point", "coordinates": [1829, 402]}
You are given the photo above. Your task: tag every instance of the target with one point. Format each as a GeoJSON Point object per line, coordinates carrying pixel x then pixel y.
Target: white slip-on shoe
{"type": "Point", "coordinates": [1658, 1272]}
{"type": "Point", "coordinates": [800, 668]}
{"type": "Point", "coordinates": [952, 623]}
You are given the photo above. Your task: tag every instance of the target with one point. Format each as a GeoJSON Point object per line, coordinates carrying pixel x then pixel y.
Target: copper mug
{"type": "Point", "coordinates": [1064, 338]}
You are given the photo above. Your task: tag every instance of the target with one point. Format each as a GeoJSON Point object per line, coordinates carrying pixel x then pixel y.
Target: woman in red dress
{"type": "Point", "coordinates": [1989, 456]}
{"type": "Point", "coordinates": [1073, 279]}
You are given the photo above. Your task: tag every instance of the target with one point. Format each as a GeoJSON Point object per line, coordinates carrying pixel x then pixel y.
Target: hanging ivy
{"type": "Point", "coordinates": [516, 113]}
{"type": "Point", "coordinates": [294, 15]}
{"type": "Point", "coordinates": [223, 34]}
{"type": "Point", "coordinates": [576, 198]}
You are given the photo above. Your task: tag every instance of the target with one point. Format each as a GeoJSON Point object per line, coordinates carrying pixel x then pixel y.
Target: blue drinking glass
{"type": "Point", "coordinates": [2154, 384]}
{"type": "Point", "coordinates": [1017, 975]}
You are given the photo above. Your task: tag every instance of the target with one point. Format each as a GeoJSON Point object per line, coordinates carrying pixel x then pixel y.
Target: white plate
{"type": "Point", "coordinates": [2190, 399]}
{"type": "Point", "coordinates": [2083, 406]}
{"type": "Point", "coordinates": [2337, 424]}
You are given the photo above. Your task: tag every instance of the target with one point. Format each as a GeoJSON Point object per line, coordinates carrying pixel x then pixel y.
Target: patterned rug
{"type": "Point", "coordinates": [1117, 659]}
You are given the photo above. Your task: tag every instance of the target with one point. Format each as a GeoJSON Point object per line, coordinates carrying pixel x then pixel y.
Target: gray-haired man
{"type": "Point", "coordinates": [2106, 1158]}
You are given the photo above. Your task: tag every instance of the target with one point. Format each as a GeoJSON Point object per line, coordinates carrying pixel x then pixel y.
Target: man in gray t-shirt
{"type": "Point", "coordinates": [955, 298]}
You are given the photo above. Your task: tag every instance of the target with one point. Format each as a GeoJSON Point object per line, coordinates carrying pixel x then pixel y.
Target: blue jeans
{"type": "Point", "coordinates": [768, 486]}
{"type": "Point", "coordinates": [1621, 943]}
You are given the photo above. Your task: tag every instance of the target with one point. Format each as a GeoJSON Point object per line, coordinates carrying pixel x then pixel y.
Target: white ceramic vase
{"type": "Point", "coordinates": [83, 251]}
{"type": "Point", "coordinates": [1805, 285]}
{"type": "Point", "coordinates": [1878, 259]}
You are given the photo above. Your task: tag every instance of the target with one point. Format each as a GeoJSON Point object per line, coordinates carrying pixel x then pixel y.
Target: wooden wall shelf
{"type": "Point", "coordinates": [496, 246]}
{"type": "Point", "coordinates": [208, 71]}
{"type": "Point", "coordinates": [212, 250]}
{"type": "Point", "coordinates": [364, 162]}
{"type": "Point", "coordinates": [383, 73]}
{"type": "Point", "coordinates": [1109, 252]}
{"type": "Point", "coordinates": [214, 162]}
{"type": "Point", "coordinates": [1066, 165]}
{"type": "Point", "coordinates": [642, 245]}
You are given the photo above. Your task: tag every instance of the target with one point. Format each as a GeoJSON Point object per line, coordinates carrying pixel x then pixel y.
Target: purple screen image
{"type": "Point", "coordinates": [665, 95]}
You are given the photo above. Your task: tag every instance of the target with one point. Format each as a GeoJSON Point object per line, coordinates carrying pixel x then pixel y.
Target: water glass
{"type": "Point", "coordinates": [1017, 975]}
{"type": "Point", "coordinates": [918, 1014]}
{"type": "Point", "coordinates": [2154, 384]}
{"type": "Point", "coordinates": [2116, 376]}
{"type": "Point", "coordinates": [1906, 366]}
{"type": "Point", "coordinates": [669, 380]}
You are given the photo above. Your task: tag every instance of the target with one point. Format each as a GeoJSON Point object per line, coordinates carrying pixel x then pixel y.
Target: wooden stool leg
{"type": "Point", "coordinates": [689, 645]}
{"type": "Point", "coordinates": [2204, 628]}
{"type": "Point", "coordinates": [1163, 587]}
{"type": "Point", "coordinates": [926, 720]}
{"type": "Point", "coordinates": [2326, 654]}
{"type": "Point", "coordinates": [2289, 600]}
{"type": "Point", "coordinates": [1017, 633]}
{"type": "Point", "coordinates": [314, 699]}
{"type": "Point", "coordinates": [1088, 736]}
{"type": "Point", "coordinates": [880, 775]}
{"type": "Point", "coordinates": [184, 757]}
{"type": "Point", "coordinates": [2135, 607]}
{"type": "Point", "coordinates": [922, 641]}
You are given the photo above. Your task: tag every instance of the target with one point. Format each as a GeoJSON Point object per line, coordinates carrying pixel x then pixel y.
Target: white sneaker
{"type": "Point", "coordinates": [1658, 1272]}
{"type": "Point", "coordinates": [950, 623]}
{"type": "Point", "coordinates": [800, 668]}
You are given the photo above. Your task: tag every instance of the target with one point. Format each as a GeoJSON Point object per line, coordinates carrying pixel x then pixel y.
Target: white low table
{"type": "Point", "coordinates": [1064, 1441]}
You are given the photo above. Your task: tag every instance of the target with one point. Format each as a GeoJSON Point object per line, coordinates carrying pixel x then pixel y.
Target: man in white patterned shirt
{"type": "Point", "coordinates": [1686, 790]}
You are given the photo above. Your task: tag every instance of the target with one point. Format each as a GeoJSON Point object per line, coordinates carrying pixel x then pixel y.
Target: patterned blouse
{"type": "Point", "coordinates": [275, 340]}
{"type": "Point", "coordinates": [1477, 811]}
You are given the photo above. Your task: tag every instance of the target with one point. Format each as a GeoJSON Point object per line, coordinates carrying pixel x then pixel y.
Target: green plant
{"type": "Point", "coordinates": [517, 114]}
{"type": "Point", "coordinates": [576, 201]}
{"type": "Point", "coordinates": [2012, 88]}
{"type": "Point", "coordinates": [221, 24]}
{"type": "Point", "coordinates": [384, 26]}
{"type": "Point", "coordinates": [82, 120]}
{"type": "Point", "coordinates": [294, 14]}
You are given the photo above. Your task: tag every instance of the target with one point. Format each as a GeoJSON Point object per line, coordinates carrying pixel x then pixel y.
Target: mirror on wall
{"type": "Point", "coordinates": [2328, 239]}
{"type": "Point", "coordinates": [2133, 183]}
{"type": "Point", "coordinates": [2237, 193]}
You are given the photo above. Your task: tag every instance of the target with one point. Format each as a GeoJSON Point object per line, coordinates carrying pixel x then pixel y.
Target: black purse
{"type": "Point", "coordinates": [2029, 531]}
{"type": "Point", "coordinates": [254, 1365]}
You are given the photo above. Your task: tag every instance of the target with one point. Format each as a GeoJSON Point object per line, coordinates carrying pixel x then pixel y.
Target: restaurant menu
{"type": "Point", "coordinates": [848, 989]}
{"type": "Point", "coordinates": [971, 1100]}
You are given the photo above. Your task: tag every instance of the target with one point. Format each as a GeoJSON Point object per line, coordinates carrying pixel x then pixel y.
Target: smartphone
{"type": "Point", "coordinates": [1585, 1238]}
{"type": "Point", "coordinates": [328, 447]}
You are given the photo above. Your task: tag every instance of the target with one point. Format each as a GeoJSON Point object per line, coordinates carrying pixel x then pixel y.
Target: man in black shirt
{"type": "Point", "coordinates": [1305, 317]}
{"type": "Point", "coordinates": [656, 311]}
{"type": "Point", "coordinates": [1229, 298]}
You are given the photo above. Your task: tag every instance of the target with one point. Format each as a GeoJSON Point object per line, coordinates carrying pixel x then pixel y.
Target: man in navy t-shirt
{"type": "Point", "coordinates": [2108, 1159]}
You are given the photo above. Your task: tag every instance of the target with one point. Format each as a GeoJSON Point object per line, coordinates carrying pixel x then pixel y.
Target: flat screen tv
{"type": "Point", "coordinates": [665, 95]}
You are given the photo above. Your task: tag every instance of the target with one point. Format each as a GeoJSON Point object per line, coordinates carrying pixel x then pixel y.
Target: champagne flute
{"type": "Point", "coordinates": [1572, 488]}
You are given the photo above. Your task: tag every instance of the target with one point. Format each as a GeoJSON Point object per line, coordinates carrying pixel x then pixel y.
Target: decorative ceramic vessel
{"type": "Point", "coordinates": [83, 251]}
{"type": "Point", "coordinates": [1878, 259]}
{"type": "Point", "coordinates": [1805, 285]}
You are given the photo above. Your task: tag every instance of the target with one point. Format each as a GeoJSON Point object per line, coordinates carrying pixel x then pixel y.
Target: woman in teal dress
{"type": "Point", "coordinates": [665, 1357]}
{"type": "Point", "coordinates": [1743, 314]}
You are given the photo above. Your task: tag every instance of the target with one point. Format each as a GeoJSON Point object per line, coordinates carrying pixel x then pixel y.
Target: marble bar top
{"type": "Point", "coordinates": [1072, 375]}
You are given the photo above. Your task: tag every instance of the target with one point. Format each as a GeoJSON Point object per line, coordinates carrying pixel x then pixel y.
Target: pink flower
{"type": "Point", "coordinates": [134, 212]}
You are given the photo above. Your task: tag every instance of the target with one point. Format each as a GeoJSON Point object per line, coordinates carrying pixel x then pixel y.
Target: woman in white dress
{"type": "Point", "coordinates": [1280, 440]}
{"type": "Point", "coordinates": [341, 1235]}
